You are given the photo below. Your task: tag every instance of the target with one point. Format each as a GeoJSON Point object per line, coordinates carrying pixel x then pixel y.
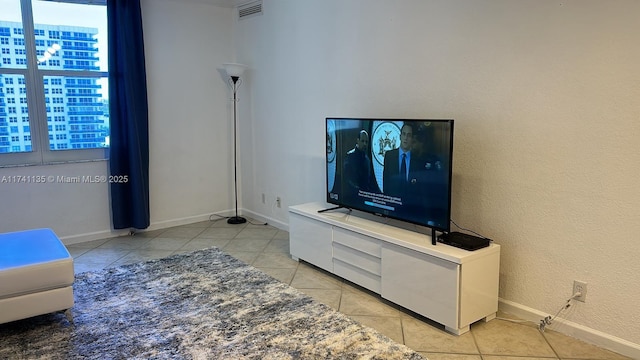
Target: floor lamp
{"type": "Point", "coordinates": [234, 71]}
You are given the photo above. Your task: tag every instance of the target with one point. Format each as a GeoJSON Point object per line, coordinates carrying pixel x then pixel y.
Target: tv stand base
{"type": "Point", "coordinates": [448, 285]}
{"type": "Point", "coordinates": [333, 208]}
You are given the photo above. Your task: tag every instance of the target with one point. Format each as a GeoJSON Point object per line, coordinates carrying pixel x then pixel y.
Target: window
{"type": "Point", "coordinates": [59, 50]}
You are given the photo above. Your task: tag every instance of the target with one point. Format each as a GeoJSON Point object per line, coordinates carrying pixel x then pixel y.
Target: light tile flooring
{"type": "Point", "coordinates": [267, 249]}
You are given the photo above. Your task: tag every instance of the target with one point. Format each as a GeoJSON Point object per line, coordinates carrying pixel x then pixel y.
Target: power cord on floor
{"type": "Point", "coordinates": [513, 320]}
{"type": "Point", "coordinates": [219, 217]}
{"type": "Point", "coordinates": [548, 319]}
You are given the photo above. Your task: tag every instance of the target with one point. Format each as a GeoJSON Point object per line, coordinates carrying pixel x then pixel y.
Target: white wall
{"type": "Point", "coordinates": [545, 98]}
{"type": "Point", "coordinates": [190, 135]}
{"type": "Point", "coordinates": [75, 211]}
{"type": "Point", "coordinates": [190, 117]}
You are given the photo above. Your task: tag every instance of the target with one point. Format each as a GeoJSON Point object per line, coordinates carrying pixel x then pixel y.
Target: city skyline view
{"type": "Point", "coordinates": [72, 64]}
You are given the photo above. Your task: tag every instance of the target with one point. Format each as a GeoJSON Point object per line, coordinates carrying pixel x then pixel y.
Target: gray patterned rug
{"type": "Point", "coordinates": [201, 305]}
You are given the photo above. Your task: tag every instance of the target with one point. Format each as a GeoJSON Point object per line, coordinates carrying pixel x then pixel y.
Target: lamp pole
{"type": "Point", "coordinates": [235, 219]}
{"type": "Point", "coordinates": [234, 71]}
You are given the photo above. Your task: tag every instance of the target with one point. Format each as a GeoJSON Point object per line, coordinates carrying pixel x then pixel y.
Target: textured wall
{"type": "Point", "coordinates": [545, 97]}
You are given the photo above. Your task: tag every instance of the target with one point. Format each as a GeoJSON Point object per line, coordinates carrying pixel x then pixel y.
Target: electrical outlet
{"type": "Point", "coordinates": [278, 203]}
{"type": "Point", "coordinates": [580, 287]}
{"type": "Point", "coordinates": [263, 198]}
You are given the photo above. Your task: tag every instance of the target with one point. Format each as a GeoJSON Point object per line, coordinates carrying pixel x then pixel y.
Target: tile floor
{"type": "Point", "coordinates": [267, 249]}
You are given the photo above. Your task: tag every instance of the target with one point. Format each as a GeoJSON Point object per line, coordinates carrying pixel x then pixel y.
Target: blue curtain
{"type": "Point", "coordinates": [128, 109]}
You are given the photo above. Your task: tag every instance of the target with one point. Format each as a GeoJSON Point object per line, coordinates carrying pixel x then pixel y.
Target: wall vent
{"type": "Point", "coordinates": [250, 9]}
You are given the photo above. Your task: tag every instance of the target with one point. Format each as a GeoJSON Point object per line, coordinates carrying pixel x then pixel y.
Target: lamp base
{"type": "Point", "coordinates": [236, 220]}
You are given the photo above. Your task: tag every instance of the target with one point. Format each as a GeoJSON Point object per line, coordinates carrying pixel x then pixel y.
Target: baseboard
{"type": "Point", "coordinates": [572, 329]}
{"type": "Point", "coordinates": [271, 221]}
{"type": "Point", "coordinates": [158, 225]}
{"type": "Point", "coordinates": [98, 235]}
{"type": "Point", "coordinates": [225, 213]}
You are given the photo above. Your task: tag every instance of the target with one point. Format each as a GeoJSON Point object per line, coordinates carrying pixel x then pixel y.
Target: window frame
{"type": "Point", "coordinates": [41, 153]}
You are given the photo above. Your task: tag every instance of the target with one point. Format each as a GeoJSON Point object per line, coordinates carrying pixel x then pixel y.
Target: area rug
{"type": "Point", "coordinates": [201, 305]}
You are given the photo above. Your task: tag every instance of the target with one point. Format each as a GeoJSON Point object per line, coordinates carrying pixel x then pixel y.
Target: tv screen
{"type": "Point", "coordinates": [398, 168]}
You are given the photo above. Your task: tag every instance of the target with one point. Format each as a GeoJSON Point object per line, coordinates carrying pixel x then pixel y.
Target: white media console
{"type": "Point", "coordinates": [451, 286]}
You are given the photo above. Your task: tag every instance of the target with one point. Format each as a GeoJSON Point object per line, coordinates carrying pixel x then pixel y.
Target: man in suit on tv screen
{"type": "Point", "coordinates": [401, 168]}
{"type": "Point", "coordinates": [357, 167]}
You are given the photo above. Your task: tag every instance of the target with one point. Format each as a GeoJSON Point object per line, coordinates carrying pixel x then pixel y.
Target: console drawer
{"type": "Point", "coordinates": [356, 275]}
{"type": "Point", "coordinates": [357, 259]}
{"type": "Point", "coordinates": [363, 243]}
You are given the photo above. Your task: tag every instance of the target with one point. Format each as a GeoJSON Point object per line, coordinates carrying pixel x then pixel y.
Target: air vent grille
{"type": "Point", "coordinates": [253, 8]}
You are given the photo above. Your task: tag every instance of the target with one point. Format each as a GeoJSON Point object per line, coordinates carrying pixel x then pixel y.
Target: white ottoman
{"type": "Point", "coordinates": [36, 274]}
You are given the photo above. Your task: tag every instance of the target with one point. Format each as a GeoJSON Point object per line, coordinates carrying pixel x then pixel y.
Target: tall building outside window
{"type": "Point", "coordinates": [58, 49]}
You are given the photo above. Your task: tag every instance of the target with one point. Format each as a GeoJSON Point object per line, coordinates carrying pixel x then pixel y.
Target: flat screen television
{"type": "Point", "coordinates": [397, 168]}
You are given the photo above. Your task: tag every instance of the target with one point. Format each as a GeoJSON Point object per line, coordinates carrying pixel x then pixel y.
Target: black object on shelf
{"type": "Point", "coordinates": [464, 241]}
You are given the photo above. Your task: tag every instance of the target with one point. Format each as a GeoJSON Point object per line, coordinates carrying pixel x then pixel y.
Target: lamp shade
{"type": "Point", "coordinates": [234, 70]}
